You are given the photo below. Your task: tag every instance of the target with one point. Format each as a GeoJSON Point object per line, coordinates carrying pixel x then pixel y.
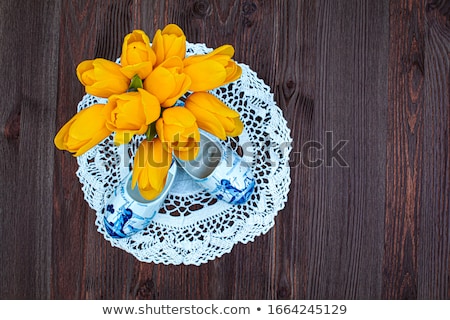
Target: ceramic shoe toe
{"type": "Point", "coordinates": [127, 212]}
{"type": "Point", "coordinates": [220, 171]}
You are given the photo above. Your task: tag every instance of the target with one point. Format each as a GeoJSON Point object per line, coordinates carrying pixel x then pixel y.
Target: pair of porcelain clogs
{"type": "Point", "coordinates": [219, 170]}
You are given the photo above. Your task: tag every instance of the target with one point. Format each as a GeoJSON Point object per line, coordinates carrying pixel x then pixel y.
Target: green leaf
{"type": "Point", "coordinates": [135, 83]}
{"type": "Point", "coordinates": [151, 131]}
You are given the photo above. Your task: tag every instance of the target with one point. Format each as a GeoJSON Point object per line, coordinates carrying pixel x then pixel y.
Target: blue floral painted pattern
{"type": "Point", "coordinates": [233, 184]}
{"type": "Point", "coordinates": [115, 229]}
{"type": "Point", "coordinates": [123, 225]}
{"type": "Point", "coordinates": [236, 196]}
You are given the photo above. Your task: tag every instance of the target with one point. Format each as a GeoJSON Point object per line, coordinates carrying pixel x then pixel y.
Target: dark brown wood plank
{"type": "Point", "coordinates": [404, 149]}
{"type": "Point", "coordinates": [110, 272]}
{"type": "Point", "coordinates": [295, 49]}
{"type": "Point", "coordinates": [347, 198]}
{"type": "Point", "coordinates": [250, 26]}
{"type": "Point", "coordinates": [433, 257]}
{"type": "Point", "coordinates": [88, 30]}
{"type": "Point", "coordinates": [29, 84]}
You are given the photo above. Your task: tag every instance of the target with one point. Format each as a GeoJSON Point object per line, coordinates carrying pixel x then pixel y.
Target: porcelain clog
{"type": "Point", "coordinates": [220, 171]}
{"type": "Point", "coordinates": [127, 212]}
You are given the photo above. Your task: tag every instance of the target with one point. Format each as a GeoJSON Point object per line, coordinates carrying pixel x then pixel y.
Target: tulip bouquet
{"type": "Point", "coordinates": [158, 92]}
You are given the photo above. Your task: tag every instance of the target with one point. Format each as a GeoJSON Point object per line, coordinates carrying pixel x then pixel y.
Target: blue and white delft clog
{"type": "Point", "coordinates": [220, 171]}
{"type": "Point", "coordinates": [127, 212]}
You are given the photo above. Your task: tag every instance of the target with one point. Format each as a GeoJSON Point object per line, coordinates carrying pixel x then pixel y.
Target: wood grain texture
{"type": "Point", "coordinates": [348, 198]}
{"type": "Point", "coordinates": [433, 261]}
{"type": "Point", "coordinates": [416, 234]}
{"type": "Point", "coordinates": [404, 148]}
{"type": "Point", "coordinates": [371, 78]}
{"type": "Point", "coordinates": [29, 98]}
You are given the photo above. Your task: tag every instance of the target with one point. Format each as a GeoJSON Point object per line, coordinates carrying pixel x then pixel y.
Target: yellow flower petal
{"type": "Point", "coordinates": [169, 42]}
{"type": "Point", "coordinates": [160, 83]}
{"type": "Point", "coordinates": [149, 194]}
{"type": "Point", "coordinates": [222, 69]}
{"type": "Point", "coordinates": [167, 82]}
{"type": "Point", "coordinates": [137, 54]}
{"type": "Point", "coordinates": [150, 168]}
{"type": "Point", "coordinates": [173, 29]}
{"type": "Point", "coordinates": [207, 121]}
{"type": "Point", "coordinates": [136, 49]}
{"type": "Point", "coordinates": [211, 103]}
{"type": "Point", "coordinates": [183, 83]}
{"type": "Point", "coordinates": [102, 78]}
{"type": "Point", "coordinates": [142, 69]}
{"type": "Point", "coordinates": [178, 116]}
{"type": "Point", "coordinates": [160, 130]}
{"type": "Point", "coordinates": [205, 75]}
{"type": "Point", "coordinates": [213, 115]}
{"type": "Point", "coordinates": [85, 130]}
{"type": "Point", "coordinates": [239, 127]}
{"type": "Point", "coordinates": [161, 161]}
{"type": "Point", "coordinates": [158, 46]}
{"type": "Point", "coordinates": [104, 68]}
{"type": "Point", "coordinates": [226, 50]}
{"type": "Point", "coordinates": [234, 72]}
{"type": "Point", "coordinates": [177, 47]}
{"type": "Point", "coordinates": [107, 88]}
{"type": "Point", "coordinates": [124, 137]}
{"type": "Point", "coordinates": [178, 131]}
{"type": "Point", "coordinates": [151, 107]}
{"type": "Point", "coordinates": [82, 68]}
{"type": "Point", "coordinates": [139, 162]}
{"type": "Point", "coordinates": [131, 113]}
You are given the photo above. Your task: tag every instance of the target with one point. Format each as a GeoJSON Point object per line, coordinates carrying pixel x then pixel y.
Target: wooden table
{"type": "Point", "coordinates": [365, 87]}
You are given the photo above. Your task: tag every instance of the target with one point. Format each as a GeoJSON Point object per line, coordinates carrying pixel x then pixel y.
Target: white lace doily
{"type": "Point", "coordinates": [193, 227]}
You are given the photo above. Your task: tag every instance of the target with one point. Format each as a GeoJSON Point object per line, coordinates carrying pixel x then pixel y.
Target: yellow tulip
{"type": "Point", "coordinates": [130, 113]}
{"type": "Point", "coordinates": [85, 130]}
{"type": "Point", "coordinates": [150, 168]}
{"type": "Point", "coordinates": [169, 42]}
{"type": "Point", "coordinates": [214, 116]}
{"type": "Point", "coordinates": [102, 78]}
{"type": "Point", "coordinates": [212, 70]}
{"type": "Point", "coordinates": [137, 55]}
{"type": "Point", "coordinates": [167, 82]}
{"type": "Point", "coordinates": [178, 130]}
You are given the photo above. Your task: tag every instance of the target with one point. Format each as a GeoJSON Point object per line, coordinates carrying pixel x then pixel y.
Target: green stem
{"type": "Point", "coordinates": [151, 131]}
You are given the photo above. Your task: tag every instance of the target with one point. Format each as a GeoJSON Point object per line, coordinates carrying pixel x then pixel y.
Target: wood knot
{"type": "Point", "coordinates": [290, 84]}
{"type": "Point", "coordinates": [283, 293]}
{"type": "Point", "coordinates": [443, 6]}
{"type": "Point", "coordinates": [201, 9]}
{"type": "Point", "coordinates": [146, 290]}
{"type": "Point", "coordinates": [249, 8]}
{"type": "Point", "coordinates": [247, 22]}
{"type": "Point", "coordinates": [12, 127]}
{"type": "Point", "coordinates": [289, 87]}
